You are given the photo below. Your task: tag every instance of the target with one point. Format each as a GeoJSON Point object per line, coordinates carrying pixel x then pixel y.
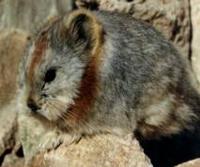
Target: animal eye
{"type": "Point", "coordinates": [50, 75]}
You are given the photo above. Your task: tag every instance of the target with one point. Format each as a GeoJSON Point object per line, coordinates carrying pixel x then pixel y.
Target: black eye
{"type": "Point", "coordinates": [50, 75]}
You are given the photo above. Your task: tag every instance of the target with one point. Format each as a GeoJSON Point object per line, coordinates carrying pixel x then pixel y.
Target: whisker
{"type": "Point", "coordinates": [59, 109]}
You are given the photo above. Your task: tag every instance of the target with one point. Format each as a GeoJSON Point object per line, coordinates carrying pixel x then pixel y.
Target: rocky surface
{"type": "Point", "coordinates": [11, 49]}
{"type": "Point", "coordinates": [30, 14]}
{"type": "Point", "coordinates": [8, 126]}
{"type": "Point", "coordinates": [12, 44]}
{"type": "Point", "coordinates": [193, 163]}
{"type": "Point", "coordinates": [171, 17]}
{"type": "Point", "coordinates": [195, 15]}
{"type": "Point", "coordinates": [102, 150]}
{"type": "Point", "coordinates": [13, 160]}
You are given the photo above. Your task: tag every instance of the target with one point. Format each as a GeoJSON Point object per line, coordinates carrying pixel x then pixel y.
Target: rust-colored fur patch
{"type": "Point", "coordinates": [88, 91]}
{"type": "Point", "coordinates": [89, 85]}
{"type": "Point", "coordinates": [40, 47]}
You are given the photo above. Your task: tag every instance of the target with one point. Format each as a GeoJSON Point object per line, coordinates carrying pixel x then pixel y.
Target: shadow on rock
{"type": "Point", "coordinates": [171, 151]}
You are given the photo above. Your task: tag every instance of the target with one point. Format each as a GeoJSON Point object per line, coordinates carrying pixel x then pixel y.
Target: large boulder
{"type": "Point", "coordinates": [12, 45]}
{"type": "Point", "coordinates": [98, 151]}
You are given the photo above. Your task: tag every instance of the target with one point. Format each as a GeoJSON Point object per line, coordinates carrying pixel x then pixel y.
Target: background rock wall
{"type": "Point", "coordinates": [195, 43]}
{"type": "Point", "coordinates": [178, 20]}
{"type": "Point", "coordinates": [28, 15]}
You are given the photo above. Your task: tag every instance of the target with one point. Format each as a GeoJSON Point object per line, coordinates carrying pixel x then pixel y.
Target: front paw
{"type": "Point", "coordinates": [53, 140]}
{"type": "Point", "coordinates": [49, 142]}
{"type": "Point", "coordinates": [69, 139]}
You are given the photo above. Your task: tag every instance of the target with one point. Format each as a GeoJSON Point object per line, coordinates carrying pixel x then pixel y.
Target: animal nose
{"type": "Point", "coordinates": [32, 105]}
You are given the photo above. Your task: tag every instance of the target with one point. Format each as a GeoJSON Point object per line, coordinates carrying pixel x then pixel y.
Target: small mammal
{"type": "Point", "coordinates": [101, 72]}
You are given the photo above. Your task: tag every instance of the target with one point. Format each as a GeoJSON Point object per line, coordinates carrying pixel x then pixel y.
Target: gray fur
{"type": "Point", "coordinates": [144, 83]}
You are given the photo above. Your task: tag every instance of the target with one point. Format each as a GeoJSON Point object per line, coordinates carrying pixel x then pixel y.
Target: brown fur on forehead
{"type": "Point", "coordinates": [40, 45]}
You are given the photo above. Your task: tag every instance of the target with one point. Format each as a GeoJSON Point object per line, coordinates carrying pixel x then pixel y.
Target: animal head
{"type": "Point", "coordinates": [62, 68]}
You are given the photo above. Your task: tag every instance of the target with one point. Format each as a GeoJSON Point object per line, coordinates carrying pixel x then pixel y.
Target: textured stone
{"type": "Point", "coordinates": [11, 49]}
{"type": "Point", "coordinates": [193, 163]}
{"type": "Point", "coordinates": [12, 44]}
{"type": "Point", "coordinates": [98, 151]}
{"type": "Point", "coordinates": [13, 161]}
{"type": "Point", "coordinates": [195, 13]}
{"type": "Point", "coordinates": [8, 125]}
{"type": "Point", "coordinates": [30, 14]}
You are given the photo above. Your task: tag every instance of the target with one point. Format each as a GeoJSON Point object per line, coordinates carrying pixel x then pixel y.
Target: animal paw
{"type": "Point", "coordinates": [52, 141]}
{"type": "Point", "coordinates": [69, 139]}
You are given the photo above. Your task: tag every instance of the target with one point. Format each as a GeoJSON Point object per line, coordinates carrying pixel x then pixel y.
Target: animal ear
{"type": "Point", "coordinates": [84, 29]}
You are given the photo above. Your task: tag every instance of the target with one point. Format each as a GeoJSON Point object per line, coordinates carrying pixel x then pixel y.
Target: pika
{"type": "Point", "coordinates": [91, 72]}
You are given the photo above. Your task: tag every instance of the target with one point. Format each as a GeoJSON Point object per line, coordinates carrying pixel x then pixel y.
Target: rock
{"type": "Point", "coordinates": [8, 125]}
{"type": "Point", "coordinates": [30, 14]}
{"type": "Point", "coordinates": [195, 14]}
{"type": "Point", "coordinates": [12, 160]}
{"type": "Point", "coordinates": [98, 151]}
{"type": "Point", "coordinates": [193, 163]}
{"type": "Point", "coordinates": [9, 143]}
{"type": "Point", "coordinates": [12, 44]}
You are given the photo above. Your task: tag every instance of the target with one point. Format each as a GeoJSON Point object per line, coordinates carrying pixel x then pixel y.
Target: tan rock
{"type": "Point", "coordinates": [12, 44]}
{"type": "Point", "coordinates": [30, 14]}
{"type": "Point", "coordinates": [11, 50]}
{"type": "Point", "coordinates": [13, 161]}
{"type": "Point", "coordinates": [192, 163]}
{"type": "Point", "coordinates": [195, 14]}
{"type": "Point", "coordinates": [98, 151]}
{"type": "Point", "coordinates": [8, 126]}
